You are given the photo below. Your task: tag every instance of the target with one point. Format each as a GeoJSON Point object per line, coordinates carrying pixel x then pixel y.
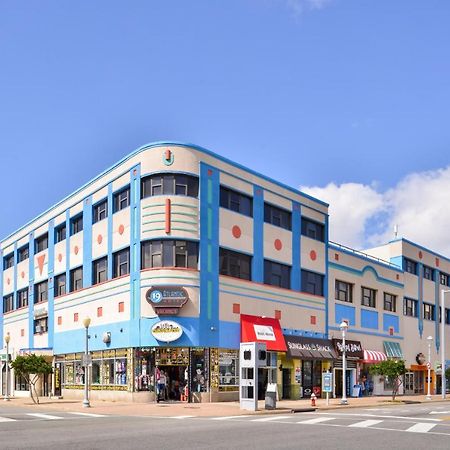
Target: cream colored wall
{"type": "Point", "coordinates": [273, 233]}
{"type": "Point", "coordinates": [38, 275]}
{"type": "Point", "coordinates": [312, 255]}
{"type": "Point", "coordinates": [60, 249]}
{"type": "Point", "coordinates": [13, 323]}
{"type": "Point", "coordinates": [8, 281]}
{"type": "Point", "coordinates": [76, 250]}
{"type": "Point", "coordinates": [227, 220]}
{"type": "Point", "coordinates": [99, 239]}
{"type": "Point", "coordinates": [23, 274]}
{"type": "Point", "coordinates": [121, 222]}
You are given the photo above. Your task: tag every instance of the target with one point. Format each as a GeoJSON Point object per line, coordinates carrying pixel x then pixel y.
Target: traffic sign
{"type": "Point", "coordinates": [428, 365]}
{"type": "Point", "coordinates": [327, 382]}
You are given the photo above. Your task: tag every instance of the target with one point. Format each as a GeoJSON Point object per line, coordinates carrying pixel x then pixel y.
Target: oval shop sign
{"type": "Point", "coordinates": [167, 299]}
{"type": "Point", "coordinates": [166, 331]}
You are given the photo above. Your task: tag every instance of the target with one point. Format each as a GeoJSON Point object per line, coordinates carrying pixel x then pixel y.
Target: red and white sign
{"type": "Point", "coordinates": [263, 329]}
{"type": "Point", "coordinates": [428, 365]}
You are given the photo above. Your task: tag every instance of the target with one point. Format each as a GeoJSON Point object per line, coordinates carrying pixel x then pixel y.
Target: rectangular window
{"type": "Point", "coordinates": [40, 325]}
{"type": "Point", "coordinates": [344, 291]}
{"type": "Point", "coordinates": [22, 298]}
{"type": "Point", "coordinates": [23, 253]}
{"type": "Point", "coordinates": [8, 303]}
{"type": "Point", "coordinates": [8, 261]}
{"type": "Point", "coordinates": [410, 266]}
{"type": "Point", "coordinates": [99, 270]}
{"type": "Point", "coordinates": [41, 243]}
{"type": "Point", "coordinates": [41, 292]}
{"type": "Point", "coordinates": [368, 297]}
{"type": "Point", "coordinates": [313, 229]}
{"type": "Point", "coordinates": [277, 274]}
{"type": "Point", "coordinates": [169, 184]}
{"type": "Point", "coordinates": [428, 273]}
{"type": "Point", "coordinates": [409, 307]}
{"type": "Point", "coordinates": [443, 278]}
{"type": "Point", "coordinates": [236, 201]}
{"type": "Point", "coordinates": [312, 282]}
{"type": "Point", "coordinates": [277, 216]}
{"type": "Point", "coordinates": [76, 279]}
{"type": "Point", "coordinates": [76, 224]}
{"type": "Point", "coordinates": [169, 253]}
{"type": "Point", "coordinates": [390, 302]}
{"type": "Point", "coordinates": [60, 233]}
{"type": "Point", "coordinates": [428, 311]}
{"type": "Point", "coordinates": [235, 264]}
{"type": "Point", "coordinates": [100, 211]}
{"type": "Point", "coordinates": [60, 285]}
{"type": "Point", "coordinates": [121, 199]}
{"type": "Point", "coordinates": [121, 263]}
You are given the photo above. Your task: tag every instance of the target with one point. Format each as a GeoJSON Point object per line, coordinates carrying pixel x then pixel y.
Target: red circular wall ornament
{"type": "Point", "coordinates": [8, 281]}
{"type": "Point", "coordinates": [313, 255]}
{"type": "Point", "coordinates": [22, 274]}
{"type": "Point", "coordinates": [236, 231]}
{"type": "Point", "coordinates": [59, 257]}
{"type": "Point", "coordinates": [398, 277]}
{"type": "Point", "coordinates": [336, 256]}
{"type": "Point", "coordinates": [278, 244]}
{"type": "Point", "coordinates": [76, 250]}
{"type": "Point", "coordinates": [99, 239]}
{"type": "Point", "coordinates": [420, 255]}
{"type": "Point", "coordinates": [121, 229]}
{"type": "Point", "coordinates": [437, 262]}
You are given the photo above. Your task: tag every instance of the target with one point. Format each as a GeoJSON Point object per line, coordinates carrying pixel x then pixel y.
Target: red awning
{"type": "Point", "coordinates": [372, 356]}
{"type": "Point", "coordinates": [263, 329]}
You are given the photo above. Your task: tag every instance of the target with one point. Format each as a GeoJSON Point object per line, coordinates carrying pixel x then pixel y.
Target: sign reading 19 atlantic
{"type": "Point", "coordinates": [167, 299]}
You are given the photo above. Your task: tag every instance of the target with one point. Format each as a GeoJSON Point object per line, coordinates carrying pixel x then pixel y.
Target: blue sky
{"type": "Point", "coordinates": [310, 92]}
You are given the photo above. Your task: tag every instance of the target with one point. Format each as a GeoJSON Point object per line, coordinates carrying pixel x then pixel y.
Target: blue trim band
{"type": "Point", "coordinates": [437, 341]}
{"type": "Point", "coordinates": [68, 251]}
{"type": "Point", "coordinates": [325, 287]}
{"type": "Point", "coordinates": [420, 292]}
{"type": "Point", "coordinates": [369, 333]}
{"type": "Point", "coordinates": [51, 291]}
{"type": "Point", "coordinates": [110, 230]}
{"type": "Point", "coordinates": [15, 300]}
{"type": "Point", "coordinates": [31, 291]}
{"type": "Point", "coordinates": [87, 242]}
{"type": "Point", "coordinates": [258, 235]}
{"type": "Point", "coordinates": [296, 247]}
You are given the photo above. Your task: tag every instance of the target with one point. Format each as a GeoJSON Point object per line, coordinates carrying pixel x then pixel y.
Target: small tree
{"type": "Point", "coordinates": [31, 367]}
{"type": "Point", "coordinates": [393, 369]}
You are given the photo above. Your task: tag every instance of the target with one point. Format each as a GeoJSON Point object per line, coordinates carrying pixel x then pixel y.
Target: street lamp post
{"type": "Point", "coordinates": [86, 404]}
{"type": "Point", "coordinates": [7, 339]}
{"type": "Point", "coordinates": [344, 326]}
{"type": "Point", "coordinates": [443, 317]}
{"type": "Point", "coordinates": [430, 340]}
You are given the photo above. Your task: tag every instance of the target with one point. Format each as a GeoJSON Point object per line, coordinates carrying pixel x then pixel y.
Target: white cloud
{"type": "Point", "coordinates": [361, 216]}
{"type": "Point", "coordinates": [298, 7]}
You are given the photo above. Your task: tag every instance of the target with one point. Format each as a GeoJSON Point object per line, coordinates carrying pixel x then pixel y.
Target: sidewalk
{"type": "Point", "coordinates": [209, 409]}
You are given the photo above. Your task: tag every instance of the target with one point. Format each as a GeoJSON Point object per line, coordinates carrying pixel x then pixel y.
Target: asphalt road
{"type": "Point", "coordinates": [394, 427]}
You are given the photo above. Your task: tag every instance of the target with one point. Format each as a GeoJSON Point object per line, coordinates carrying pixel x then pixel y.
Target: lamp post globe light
{"type": "Point", "coordinates": [344, 326]}
{"type": "Point", "coordinates": [86, 404]}
{"type": "Point", "coordinates": [443, 321]}
{"type": "Point", "coordinates": [7, 339]}
{"type": "Point", "coordinates": [430, 340]}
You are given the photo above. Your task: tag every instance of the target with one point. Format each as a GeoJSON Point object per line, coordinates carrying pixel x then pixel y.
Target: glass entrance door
{"type": "Point", "coordinates": [419, 382]}
{"type": "Point", "coordinates": [409, 383]}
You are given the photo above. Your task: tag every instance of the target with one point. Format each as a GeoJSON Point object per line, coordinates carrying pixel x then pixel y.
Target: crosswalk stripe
{"type": "Point", "coordinates": [181, 417]}
{"type": "Point", "coordinates": [269, 419]}
{"type": "Point", "coordinates": [365, 423]}
{"type": "Point", "coordinates": [229, 417]}
{"type": "Point", "coordinates": [316, 420]}
{"type": "Point", "coordinates": [6, 419]}
{"type": "Point", "coordinates": [44, 416]}
{"type": "Point", "coordinates": [421, 427]}
{"type": "Point", "coordinates": [87, 414]}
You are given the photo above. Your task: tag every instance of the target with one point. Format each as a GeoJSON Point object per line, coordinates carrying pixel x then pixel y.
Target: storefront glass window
{"type": "Point", "coordinates": [228, 368]}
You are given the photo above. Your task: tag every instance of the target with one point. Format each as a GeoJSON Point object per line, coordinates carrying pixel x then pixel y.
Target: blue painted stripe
{"type": "Point", "coordinates": [31, 291]}
{"type": "Point", "coordinates": [325, 287]}
{"type": "Point", "coordinates": [296, 247]}
{"type": "Point", "coordinates": [51, 291]}
{"type": "Point", "coordinates": [258, 235]}
{"type": "Point", "coordinates": [420, 292]}
{"type": "Point", "coordinates": [437, 341]}
{"type": "Point", "coordinates": [15, 301]}
{"type": "Point", "coordinates": [110, 231]}
{"type": "Point", "coordinates": [135, 253]}
{"type": "Point", "coordinates": [209, 255]}
{"type": "Point", "coordinates": [68, 251]}
{"type": "Point", "coordinates": [87, 242]}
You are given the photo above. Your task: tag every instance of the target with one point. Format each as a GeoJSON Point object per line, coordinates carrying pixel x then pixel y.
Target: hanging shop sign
{"type": "Point", "coordinates": [167, 300]}
{"type": "Point", "coordinates": [309, 348]}
{"type": "Point", "coordinates": [420, 358]}
{"type": "Point", "coordinates": [40, 312]}
{"type": "Point", "coordinates": [166, 331]}
{"type": "Point", "coordinates": [353, 349]}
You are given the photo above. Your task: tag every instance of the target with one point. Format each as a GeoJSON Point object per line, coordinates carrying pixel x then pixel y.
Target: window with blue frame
{"type": "Point", "coordinates": [428, 311]}
{"type": "Point", "coordinates": [277, 216]}
{"type": "Point", "coordinates": [368, 297]}
{"type": "Point", "coordinates": [313, 229]}
{"type": "Point", "coordinates": [410, 307]}
{"type": "Point", "coordinates": [390, 302]}
{"type": "Point", "coordinates": [8, 261]}
{"type": "Point", "coordinates": [22, 298]}
{"type": "Point", "coordinates": [410, 266]}
{"type": "Point", "coordinates": [236, 201]}
{"type": "Point", "coordinates": [169, 184]}
{"type": "Point", "coordinates": [23, 253]}
{"type": "Point", "coordinates": [443, 278]}
{"type": "Point", "coordinates": [121, 199]}
{"type": "Point", "coordinates": [428, 273]}
{"type": "Point", "coordinates": [76, 224]}
{"type": "Point", "coordinates": [41, 243]}
{"type": "Point", "coordinates": [277, 274]}
{"type": "Point", "coordinates": [100, 211]}
{"type": "Point", "coordinates": [312, 282]}
{"type": "Point", "coordinates": [8, 303]}
{"type": "Point", "coordinates": [60, 233]}
{"type": "Point", "coordinates": [234, 264]}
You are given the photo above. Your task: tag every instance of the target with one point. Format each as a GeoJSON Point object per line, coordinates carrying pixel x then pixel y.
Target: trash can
{"type": "Point", "coordinates": [271, 396]}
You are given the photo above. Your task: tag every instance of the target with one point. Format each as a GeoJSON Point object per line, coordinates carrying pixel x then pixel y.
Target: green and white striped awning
{"type": "Point", "coordinates": [392, 349]}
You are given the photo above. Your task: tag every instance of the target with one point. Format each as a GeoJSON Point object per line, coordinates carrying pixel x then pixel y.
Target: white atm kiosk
{"type": "Point", "coordinates": [252, 355]}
